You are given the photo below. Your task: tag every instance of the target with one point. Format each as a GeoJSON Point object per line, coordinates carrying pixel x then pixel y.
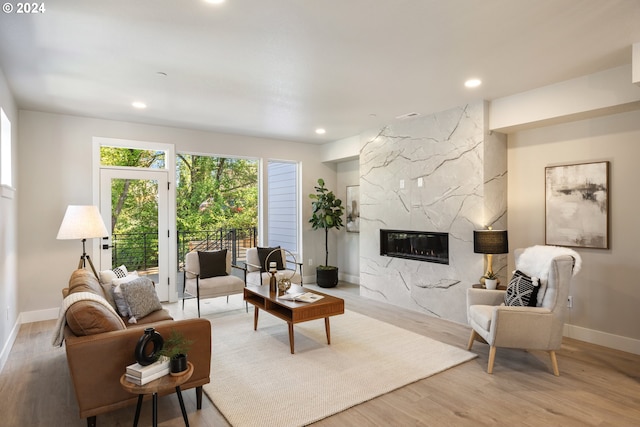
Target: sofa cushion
{"type": "Point", "coordinates": [84, 281]}
{"type": "Point", "coordinates": [141, 298]}
{"type": "Point", "coordinates": [263, 253]}
{"type": "Point", "coordinates": [212, 263]}
{"type": "Point", "coordinates": [90, 318]}
{"type": "Point", "coordinates": [522, 290]}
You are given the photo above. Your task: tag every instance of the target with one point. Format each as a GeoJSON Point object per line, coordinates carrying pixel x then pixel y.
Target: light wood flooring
{"type": "Point", "coordinates": [597, 386]}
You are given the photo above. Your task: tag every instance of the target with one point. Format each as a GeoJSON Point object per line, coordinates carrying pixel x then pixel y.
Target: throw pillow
{"type": "Point", "coordinates": [118, 297]}
{"type": "Point", "coordinates": [107, 276]}
{"type": "Point", "coordinates": [141, 297]}
{"type": "Point", "coordinates": [522, 290]}
{"type": "Point", "coordinates": [276, 257]}
{"type": "Point", "coordinates": [212, 263]}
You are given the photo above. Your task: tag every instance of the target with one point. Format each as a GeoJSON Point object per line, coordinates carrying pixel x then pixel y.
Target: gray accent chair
{"type": "Point", "coordinates": [212, 287]}
{"type": "Point", "coordinates": [532, 328]}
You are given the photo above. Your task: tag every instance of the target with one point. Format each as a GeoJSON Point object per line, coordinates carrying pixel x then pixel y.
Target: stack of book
{"type": "Point", "coordinates": [141, 375]}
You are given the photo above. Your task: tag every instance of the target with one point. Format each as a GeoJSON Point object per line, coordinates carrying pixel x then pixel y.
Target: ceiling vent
{"type": "Point", "coordinates": [407, 116]}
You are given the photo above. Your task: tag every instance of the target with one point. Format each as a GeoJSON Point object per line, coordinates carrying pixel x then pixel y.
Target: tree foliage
{"type": "Point", "coordinates": [211, 192]}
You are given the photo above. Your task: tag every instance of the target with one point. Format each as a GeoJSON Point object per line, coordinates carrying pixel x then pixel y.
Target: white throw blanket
{"type": "Point", "coordinates": [58, 332]}
{"type": "Point", "coordinates": [536, 260]}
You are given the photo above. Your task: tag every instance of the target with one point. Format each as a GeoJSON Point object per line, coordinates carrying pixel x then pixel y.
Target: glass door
{"type": "Point", "coordinates": [133, 204]}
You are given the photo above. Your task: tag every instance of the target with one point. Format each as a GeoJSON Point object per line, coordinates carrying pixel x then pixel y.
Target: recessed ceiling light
{"type": "Point", "coordinates": [471, 83]}
{"type": "Point", "coordinates": [214, 1]}
{"type": "Point", "coordinates": [321, 131]}
{"type": "Point", "coordinates": [139, 105]}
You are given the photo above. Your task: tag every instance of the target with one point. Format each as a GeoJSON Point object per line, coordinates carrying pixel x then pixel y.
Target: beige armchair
{"type": "Point", "coordinates": [257, 276]}
{"type": "Point", "coordinates": [533, 328]}
{"type": "Point", "coordinates": [208, 275]}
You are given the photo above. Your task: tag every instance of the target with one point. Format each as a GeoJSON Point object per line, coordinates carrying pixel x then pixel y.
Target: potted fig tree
{"type": "Point", "coordinates": [326, 214]}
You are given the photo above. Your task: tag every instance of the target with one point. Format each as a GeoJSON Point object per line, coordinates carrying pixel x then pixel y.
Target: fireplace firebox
{"type": "Point", "coordinates": [417, 245]}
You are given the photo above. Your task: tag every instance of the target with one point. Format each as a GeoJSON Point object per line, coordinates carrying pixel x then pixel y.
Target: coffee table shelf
{"type": "Point", "coordinates": [293, 312]}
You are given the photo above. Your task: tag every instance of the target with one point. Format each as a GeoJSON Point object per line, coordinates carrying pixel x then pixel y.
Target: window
{"type": "Point", "coordinates": [5, 150]}
{"type": "Point", "coordinates": [132, 157]}
{"type": "Point", "coordinates": [282, 212]}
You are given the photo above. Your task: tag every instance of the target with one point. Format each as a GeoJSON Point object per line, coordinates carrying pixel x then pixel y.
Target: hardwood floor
{"type": "Point", "coordinates": [597, 386]}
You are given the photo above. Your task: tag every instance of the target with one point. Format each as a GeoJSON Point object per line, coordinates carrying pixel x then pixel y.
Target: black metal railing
{"type": "Point", "coordinates": [139, 251]}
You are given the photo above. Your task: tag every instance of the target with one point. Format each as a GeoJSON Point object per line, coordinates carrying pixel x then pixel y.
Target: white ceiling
{"type": "Point", "coordinates": [282, 68]}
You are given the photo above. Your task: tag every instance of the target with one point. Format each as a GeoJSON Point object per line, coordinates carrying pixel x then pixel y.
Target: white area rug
{"type": "Point", "coordinates": [256, 381]}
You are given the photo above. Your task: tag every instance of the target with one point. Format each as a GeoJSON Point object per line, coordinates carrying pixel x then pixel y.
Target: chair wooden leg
{"type": "Point", "coordinates": [472, 338]}
{"type": "Point", "coordinates": [554, 363]}
{"type": "Point", "coordinates": [492, 358]}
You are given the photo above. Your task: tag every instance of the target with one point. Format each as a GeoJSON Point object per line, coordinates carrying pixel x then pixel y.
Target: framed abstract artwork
{"type": "Point", "coordinates": [353, 208]}
{"type": "Point", "coordinates": [577, 205]}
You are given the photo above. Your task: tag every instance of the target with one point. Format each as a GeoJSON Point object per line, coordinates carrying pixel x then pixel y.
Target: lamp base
{"type": "Point", "coordinates": [82, 264]}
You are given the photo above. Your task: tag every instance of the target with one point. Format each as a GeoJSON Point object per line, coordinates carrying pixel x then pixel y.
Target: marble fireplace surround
{"type": "Point", "coordinates": [444, 173]}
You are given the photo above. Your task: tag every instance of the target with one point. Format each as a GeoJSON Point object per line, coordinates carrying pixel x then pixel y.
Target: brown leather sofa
{"type": "Point", "coordinates": [99, 348]}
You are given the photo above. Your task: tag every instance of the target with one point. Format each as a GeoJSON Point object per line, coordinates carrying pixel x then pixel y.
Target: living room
{"type": "Point", "coordinates": [580, 119]}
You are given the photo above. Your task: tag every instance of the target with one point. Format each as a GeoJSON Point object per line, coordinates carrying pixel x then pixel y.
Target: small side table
{"type": "Point", "coordinates": [499, 288]}
{"type": "Point", "coordinates": [154, 387]}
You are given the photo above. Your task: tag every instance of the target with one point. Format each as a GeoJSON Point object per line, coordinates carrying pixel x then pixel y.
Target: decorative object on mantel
{"type": "Point", "coordinates": [82, 222]}
{"type": "Point", "coordinates": [327, 213]}
{"type": "Point", "coordinates": [577, 205]}
{"type": "Point", "coordinates": [353, 209]}
{"type": "Point", "coordinates": [490, 242]}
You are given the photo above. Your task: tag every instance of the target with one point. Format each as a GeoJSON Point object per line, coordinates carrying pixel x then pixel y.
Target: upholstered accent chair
{"type": "Point", "coordinates": [258, 260]}
{"type": "Point", "coordinates": [207, 274]}
{"type": "Point", "coordinates": [537, 327]}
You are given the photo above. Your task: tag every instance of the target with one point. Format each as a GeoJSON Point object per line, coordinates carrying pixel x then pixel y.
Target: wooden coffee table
{"type": "Point", "coordinates": [293, 312]}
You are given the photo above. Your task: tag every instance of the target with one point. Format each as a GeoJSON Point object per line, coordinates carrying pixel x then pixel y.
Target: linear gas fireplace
{"type": "Point", "coordinates": [418, 245]}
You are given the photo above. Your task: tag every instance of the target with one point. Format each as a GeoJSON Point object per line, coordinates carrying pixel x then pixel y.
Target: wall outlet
{"type": "Point", "coordinates": [570, 302]}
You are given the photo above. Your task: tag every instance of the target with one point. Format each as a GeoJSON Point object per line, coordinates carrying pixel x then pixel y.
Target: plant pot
{"type": "Point", "coordinates": [491, 283]}
{"type": "Point", "coordinates": [178, 364]}
{"type": "Point", "coordinates": [327, 277]}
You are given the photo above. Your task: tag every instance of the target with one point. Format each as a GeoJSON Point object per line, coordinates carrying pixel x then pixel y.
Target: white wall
{"type": "Point", "coordinates": [55, 170]}
{"type": "Point", "coordinates": [9, 310]}
{"type": "Point", "coordinates": [348, 245]}
{"type": "Point", "coordinates": [606, 293]}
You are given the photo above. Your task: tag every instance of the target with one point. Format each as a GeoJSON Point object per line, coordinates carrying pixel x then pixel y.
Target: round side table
{"type": "Point", "coordinates": [154, 387]}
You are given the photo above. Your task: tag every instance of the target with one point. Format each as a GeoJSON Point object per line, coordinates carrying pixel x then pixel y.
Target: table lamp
{"type": "Point", "coordinates": [82, 222]}
{"type": "Point", "coordinates": [490, 242]}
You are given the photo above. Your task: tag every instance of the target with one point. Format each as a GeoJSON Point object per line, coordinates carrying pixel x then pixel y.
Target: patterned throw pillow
{"type": "Point", "coordinates": [141, 297]}
{"type": "Point", "coordinates": [522, 290]}
{"type": "Point", "coordinates": [118, 297]}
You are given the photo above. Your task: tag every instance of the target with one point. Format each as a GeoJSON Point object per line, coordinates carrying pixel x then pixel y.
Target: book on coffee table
{"type": "Point", "coordinates": [302, 297]}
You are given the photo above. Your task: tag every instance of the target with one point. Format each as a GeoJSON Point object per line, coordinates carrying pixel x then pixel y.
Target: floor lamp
{"type": "Point", "coordinates": [490, 242]}
{"type": "Point", "coordinates": [82, 222]}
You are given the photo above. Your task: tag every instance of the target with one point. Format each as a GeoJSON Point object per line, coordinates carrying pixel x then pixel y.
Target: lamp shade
{"type": "Point", "coordinates": [490, 242]}
{"type": "Point", "coordinates": [82, 222]}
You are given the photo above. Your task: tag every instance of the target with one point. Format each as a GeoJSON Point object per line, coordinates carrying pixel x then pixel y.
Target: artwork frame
{"type": "Point", "coordinates": [353, 209]}
{"type": "Point", "coordinates": [577, 205]}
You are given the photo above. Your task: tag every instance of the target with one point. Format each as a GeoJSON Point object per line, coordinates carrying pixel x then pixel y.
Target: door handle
{"type": "Point", "coordinates": [107, 246]}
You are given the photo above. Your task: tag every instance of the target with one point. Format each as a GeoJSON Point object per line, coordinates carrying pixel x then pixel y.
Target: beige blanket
{"type": "Point", "coordinates": [58, 332]}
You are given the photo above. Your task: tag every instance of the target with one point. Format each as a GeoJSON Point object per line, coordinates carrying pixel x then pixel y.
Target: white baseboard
{"type": "Point", "coordinates": [39, 315]}
{"type": "Point", "coordinates": [604, 339]}
{"type": "Point", "coordinates": [349, 278]}
{"type": "Point", "coordinates": [8, 345]}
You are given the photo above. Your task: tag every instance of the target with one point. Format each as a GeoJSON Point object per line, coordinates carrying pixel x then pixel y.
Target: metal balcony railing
{"type": "Point", "coordinates": [139, 251]}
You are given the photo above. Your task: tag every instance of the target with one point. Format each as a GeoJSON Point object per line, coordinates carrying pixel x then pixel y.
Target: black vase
{"type": "Point", "coordinates": [178, 364]}
{"type": "Point", "coordinates": [140, 353]}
